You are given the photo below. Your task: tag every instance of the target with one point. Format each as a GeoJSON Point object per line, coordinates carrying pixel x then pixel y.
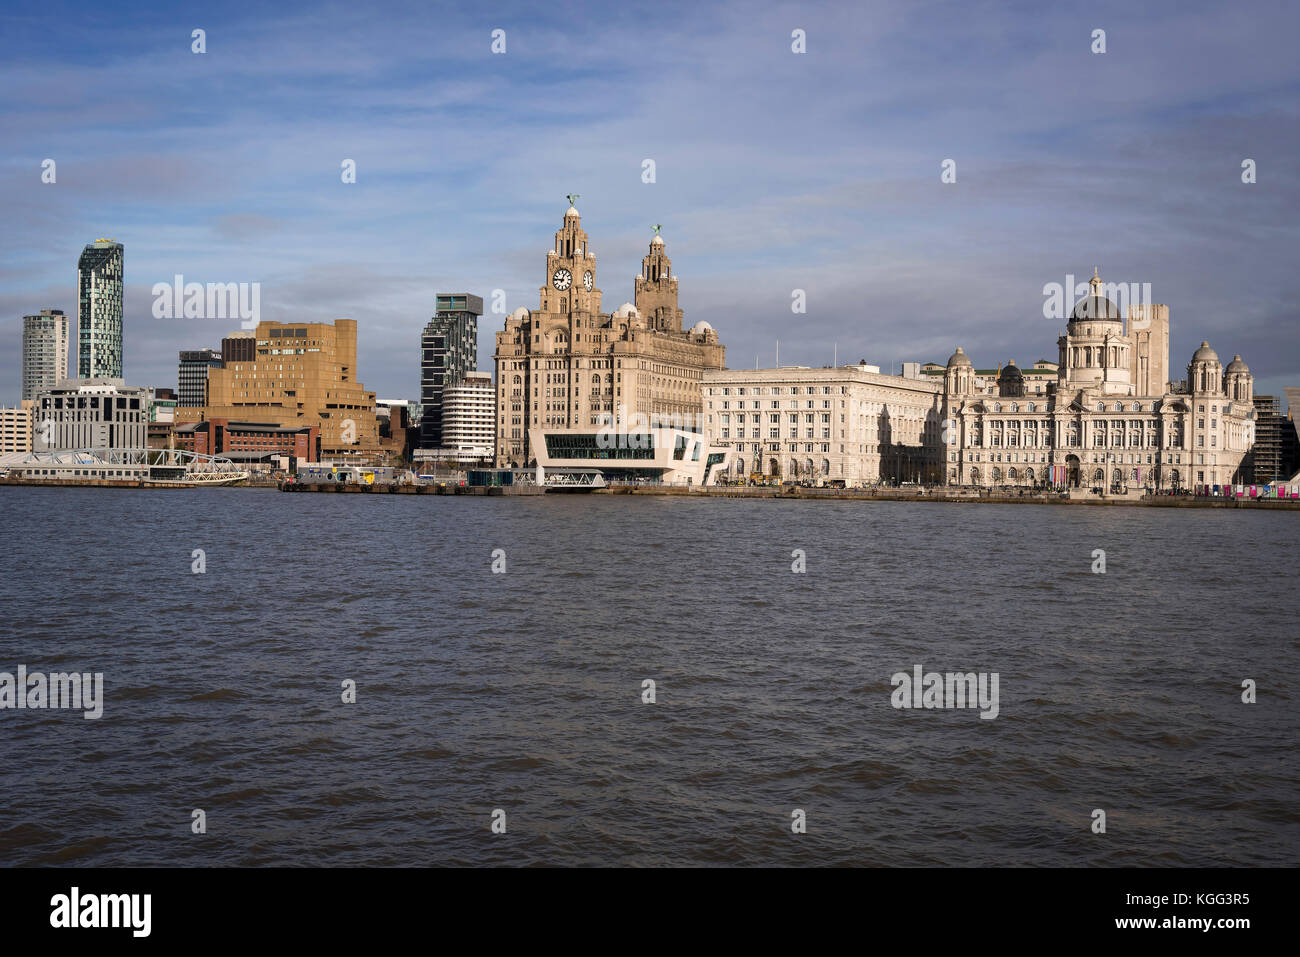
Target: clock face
{"type": "Point", "coordinates": [562, 279]}
{"type": "Point", "coordinates": [588, 280]}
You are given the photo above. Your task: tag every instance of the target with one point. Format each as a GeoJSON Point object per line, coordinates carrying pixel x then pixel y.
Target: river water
{"type": "Point", "coordinates": [522, 691]}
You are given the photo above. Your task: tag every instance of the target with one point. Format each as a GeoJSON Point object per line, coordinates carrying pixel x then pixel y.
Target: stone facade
{"type": "Point", "coordinates": [1111, 420]}
{"type": "Point", "coordinates": [849, 424]}
{"type": "Point", "coordinates": [569, 365]}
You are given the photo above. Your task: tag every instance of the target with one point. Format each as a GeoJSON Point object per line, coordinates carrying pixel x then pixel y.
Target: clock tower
{"type": "Point", "coordinates": [570, 285]}
{"type": "Point", "coordinates": [656, 289]}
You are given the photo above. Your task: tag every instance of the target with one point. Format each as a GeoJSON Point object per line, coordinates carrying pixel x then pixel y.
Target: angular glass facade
{"type": "Point", "coordinates": [448, 350]}
{"type": "Point", "coordinates": [99, 310]}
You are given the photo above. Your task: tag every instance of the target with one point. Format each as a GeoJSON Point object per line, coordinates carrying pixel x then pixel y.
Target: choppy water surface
{"type": "Point", "coordinates": [522, 691]}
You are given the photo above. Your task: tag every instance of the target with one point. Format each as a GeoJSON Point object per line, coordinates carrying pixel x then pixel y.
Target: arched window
{"type": "Point", "coordinates": [1011, 475]}
{"type": "Point", "coordinates": [997, 476]}
{"type": "Point", "coordinates": [1099, 476]}
{"type": "Point", "coordinates": [826, 466]}
{"type": "Point", "coordinates": [1029, 476]}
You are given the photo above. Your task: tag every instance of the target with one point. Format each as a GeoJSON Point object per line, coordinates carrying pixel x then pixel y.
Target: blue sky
{"type": "Point", "coordinates": [774, 171]}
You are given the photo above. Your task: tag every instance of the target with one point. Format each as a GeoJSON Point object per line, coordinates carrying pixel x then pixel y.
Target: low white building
{"type": "Point", "coordinates": [468, 423]}
{"type": "Point", "coordinates": [92, 413]}
{"type": "Point", "coordinates": [659, 455]}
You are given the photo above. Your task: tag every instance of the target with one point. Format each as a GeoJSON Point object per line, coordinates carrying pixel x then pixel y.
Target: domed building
{"type": "Point", "coordinates": [1111, 420]}
{"type": "Point", "coordinates": [566, 365]}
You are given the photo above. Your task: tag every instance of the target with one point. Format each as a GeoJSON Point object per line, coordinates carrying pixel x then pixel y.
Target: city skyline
{"type": "Point", "coordinates": [1137, 170]}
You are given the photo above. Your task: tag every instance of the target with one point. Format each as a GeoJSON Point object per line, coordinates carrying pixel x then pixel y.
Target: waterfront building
{"type": "Point", "coordinates": [1274, 456]}
{"type": "Point", "coordinates": [849, 424]}
{"type": "Point", "coordinates": [45, 351]}
{"type": "Point", "coordinates": [448, 352]}
{"type": "Point", "coordinates": [16, 427]}
{"type": "Point", "coordinates": [100, 272]}
{"type": "Point", "coordinates": [568, 365]}
{"type": "Point", "coordinates": [1111, 419]}
{"type": "Point", "coordinates": [669, 456]}
{"type": "Point", "coordinates": [102, 413]}
{"type": "Point", "coordinates": [192, 376]}
{"type": "Point", "coordinates": [302, 375]}
{"type": "Point", "coordinates": [468, 423]}
{"type": "Point", "coordinates": [250, 443]}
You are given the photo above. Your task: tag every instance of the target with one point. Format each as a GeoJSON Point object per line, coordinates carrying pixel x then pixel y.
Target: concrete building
{"type": "Point", "coordinates": [1101, 424]}
{"type": "Point", "coordinates": [567, 365]}
{"type": "Point", "coordinates": [100, 273]}
{"type": "Point", "coordinates": [16, 427]}
{"type": "Point", "coordinates": [92, 413]}
{"type": "Point", "coordinates": [304, 375]}
{"type": "Point", "coordinates": [849, 424]}
{"type": "Point", "coordinates": [468, 423]}
{"type": "Point", "coordinates": [192, 375]}
{"type": "Point", "coordinates": [448, 352]}
{"type": "Point", "coordinates": [45, 351]}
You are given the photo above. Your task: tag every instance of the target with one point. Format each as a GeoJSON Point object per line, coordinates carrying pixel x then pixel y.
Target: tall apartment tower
{"type": "Point", "coordinates": [469, 417]}
{"type": "Point", "coordinates": [1148, 328]}
{"type": "Point", "coordinates": [448, 352]}
{"type": "Point", "coordinates": [192, 377]}
{"type": "Point", "coordinates": [99, 310]}
{"type": "Point", "coordinates": [45, 351]}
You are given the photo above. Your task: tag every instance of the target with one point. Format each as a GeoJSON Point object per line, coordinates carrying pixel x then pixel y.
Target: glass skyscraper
{"type": "Point", "coordinates": [99, 310]}
{"type": "Point", "coordinates": [448, 350]}
{"type": "Point", "coordinates": [192, 377]}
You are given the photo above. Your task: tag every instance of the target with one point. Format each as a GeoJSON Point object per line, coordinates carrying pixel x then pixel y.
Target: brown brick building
{"type": "Point", "coordinates": [302, 375]}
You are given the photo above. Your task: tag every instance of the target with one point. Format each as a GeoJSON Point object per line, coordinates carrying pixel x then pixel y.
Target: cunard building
{"type": "Point", "coordinates": [1113, 418]}
{"type": "Point", "coordinates": [568, 367]}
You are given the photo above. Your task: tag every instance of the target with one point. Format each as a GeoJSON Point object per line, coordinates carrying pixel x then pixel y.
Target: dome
{"type": "Point", "coordinates": [657, 241]}
{"type": "Point", "coordinates": [1205, 353]}
{"type": "Point", "coordinates": [958, 358]}
{"type": "Point", "coordinates": [1011, 371]}
{"type": "Point", "coordinates": [571, 211]}
{"type": "Point", "coordinates": [520, 313]}
{"type": "Point", "coordinates": [625, 310]}
{"type": "Point", "coordinates": [701, 327]}
{"type": "Point", "coordinates": [1237, 365]}
{"type": "Point", "coordinates": [1095, 307]}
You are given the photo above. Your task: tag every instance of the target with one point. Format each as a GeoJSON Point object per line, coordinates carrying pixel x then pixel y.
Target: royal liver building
{"type": "Point", "coordinates": [568, 365]}
{"type": "Point", "coordinates": [1113, 420]}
